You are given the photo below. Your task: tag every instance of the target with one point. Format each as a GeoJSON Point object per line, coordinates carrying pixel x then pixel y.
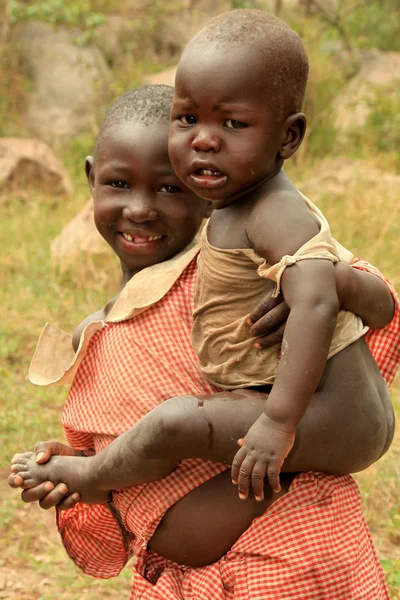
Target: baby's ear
{"type": "Point", "coordinates": [295, 128]}
{"type": "Point", "coordinates": [207, 209]}
{"type": "Point", "coordinates": [89, 170]}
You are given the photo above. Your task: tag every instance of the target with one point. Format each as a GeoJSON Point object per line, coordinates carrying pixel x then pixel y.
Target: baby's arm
{"type": "Point", "coordinates": [360, 292]}
{"type": "Point", "coordinates": [309, 289]}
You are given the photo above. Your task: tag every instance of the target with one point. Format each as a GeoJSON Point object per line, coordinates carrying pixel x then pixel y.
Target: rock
{"type": "Point", "coordinates": [29, 162]}
{"type": "Point", "coordinates": [68, 81]}
{"type": "Point", "coordinates": [166, 77]}
{"type": "Point", "coordinates": [379, 73]}
{"type": "Point", "coordinates": [78, 236]}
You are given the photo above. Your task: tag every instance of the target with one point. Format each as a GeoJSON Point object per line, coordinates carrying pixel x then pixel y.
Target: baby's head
{"type": "Point", "coordinates": [236, 113]}
{"type": "Point", "coordinates": [140, 207]}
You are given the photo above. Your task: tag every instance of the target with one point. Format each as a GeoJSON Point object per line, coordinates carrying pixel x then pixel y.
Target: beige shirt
{"type": "Point", "coordinates": [230, 284]}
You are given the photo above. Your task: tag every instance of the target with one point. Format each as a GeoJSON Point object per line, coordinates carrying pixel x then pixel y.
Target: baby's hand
{"type": "Point", "coordinates": [261, 453]}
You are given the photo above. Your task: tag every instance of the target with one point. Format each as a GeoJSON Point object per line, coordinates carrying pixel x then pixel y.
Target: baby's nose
{"type": "Point", "coordinates": [206, 141]}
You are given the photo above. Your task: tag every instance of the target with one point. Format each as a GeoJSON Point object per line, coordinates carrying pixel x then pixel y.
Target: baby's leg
{"type": "Point", "coordinates": [348, 426]}
{"type": "Point", "coordinates": [74, 471]}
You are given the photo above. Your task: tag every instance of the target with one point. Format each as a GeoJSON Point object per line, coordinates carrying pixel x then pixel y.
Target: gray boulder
{"type": "Point", "coordinates": [27, 163]}
{"type": "Point", "coordinates": [68, 81]}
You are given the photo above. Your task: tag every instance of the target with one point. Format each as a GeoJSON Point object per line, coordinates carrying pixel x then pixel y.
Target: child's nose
{"type": "Point", "coordinates": [206, 140]}
{"type": "Point", "coordinates": [140, 209]}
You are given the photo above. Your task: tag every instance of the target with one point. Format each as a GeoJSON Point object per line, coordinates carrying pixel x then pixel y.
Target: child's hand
{"type": "Point", "coordinates": [268, 320]}
{"type": "Point", "coordinates": [261, 453]}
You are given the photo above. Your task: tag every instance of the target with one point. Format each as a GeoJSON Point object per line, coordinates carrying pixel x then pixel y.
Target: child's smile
{"type": "Point", "coordinates": [141, 208]}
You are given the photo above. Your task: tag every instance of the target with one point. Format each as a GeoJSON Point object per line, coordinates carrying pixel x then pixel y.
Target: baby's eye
{"type": "Point", "coordinates": [169, 189]}
{"type": "Point", "coordinates": [187, 119]}
{"type": "Point", "coordinates": [118, 184]}
{"type": "Point", "coordinates": [233, 124]}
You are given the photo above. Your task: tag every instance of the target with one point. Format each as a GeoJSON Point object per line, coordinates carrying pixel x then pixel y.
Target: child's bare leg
{"type": "Point", "coordinates": [74, 471]}
{"type": "Point", "coordinates": [348, 426]}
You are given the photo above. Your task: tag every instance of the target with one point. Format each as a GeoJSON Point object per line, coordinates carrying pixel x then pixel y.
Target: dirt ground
{"type": "Point", "coordinates": [33, 564]}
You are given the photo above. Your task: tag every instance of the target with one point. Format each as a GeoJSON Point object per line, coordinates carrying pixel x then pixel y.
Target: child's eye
{"type": "Point", "coordinates": [233, 124]}
{"type": "Point", "coordinates": [119, 184]}
{"type": "Point", "coordinates": [187, 119]}
{"type": "Point", "coordinates": [169, 189]}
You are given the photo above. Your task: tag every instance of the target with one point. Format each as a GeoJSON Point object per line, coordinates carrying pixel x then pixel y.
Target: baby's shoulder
{"type": "Point", "coordinates": [280, 223]}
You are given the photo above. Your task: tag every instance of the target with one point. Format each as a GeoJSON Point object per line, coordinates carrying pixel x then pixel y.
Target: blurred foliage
{"type": "Point", "coordinates": [75, 13]}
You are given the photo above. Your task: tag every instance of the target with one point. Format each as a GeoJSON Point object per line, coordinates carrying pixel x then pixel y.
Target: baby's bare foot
{"type": "Point", "coordinates": [73, 471]}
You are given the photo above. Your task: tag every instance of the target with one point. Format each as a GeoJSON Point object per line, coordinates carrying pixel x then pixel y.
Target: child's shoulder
{"type": "Point", "coordinates": [99, 315]}
{"type": "Point", "coordinates": [281, 222]}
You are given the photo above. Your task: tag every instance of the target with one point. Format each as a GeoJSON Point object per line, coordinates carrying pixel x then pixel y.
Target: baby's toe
{"type": "Point", "coordinates": [19, 467]}
{"type": "Point", "coordinates": [21, 457]}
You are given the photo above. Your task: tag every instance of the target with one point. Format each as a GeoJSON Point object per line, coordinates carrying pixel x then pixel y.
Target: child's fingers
{"type": "Point", "coordinates": [38, 492]}
{"type": "Point", "coordinates": [275, 318]}
{"type": "Point", "coordinates": [237, 463]}
{"type": "Point", "coordinates": [263, 308]}
{"type": "Point", "coordinates": [56, 498]}
{"type": "Point", "coordinates": [272, 339]}
{"type": "Point", "coordinates": [69, 502]}
{"type": "Point", "coordinates": [273, 477]}
{"type": "Point", "coordinates": [44, 451]}
{"type": "Point", "coordinates": [257, 480]}
{"type": "Point", "coordinates": [244, 477]}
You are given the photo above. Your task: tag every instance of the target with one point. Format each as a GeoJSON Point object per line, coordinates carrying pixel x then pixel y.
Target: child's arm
{"type": "Point", "coordinates": [359, 292]}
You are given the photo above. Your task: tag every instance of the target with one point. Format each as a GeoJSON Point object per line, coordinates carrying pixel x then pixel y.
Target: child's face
{"type": "Point", "coordinates": [225, 136]}
{"type": "Point", "coordinates": [140, 207]}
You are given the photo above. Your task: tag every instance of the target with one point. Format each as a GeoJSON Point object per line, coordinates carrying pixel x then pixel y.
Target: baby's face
{"type": "Point", "coordinates": [224, 135]}
{"type": "Point", "coordinates": [140, 207]}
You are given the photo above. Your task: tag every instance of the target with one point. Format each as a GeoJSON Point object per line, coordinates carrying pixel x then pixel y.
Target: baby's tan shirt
{"type": "Point", "coordinates": [230, 284]}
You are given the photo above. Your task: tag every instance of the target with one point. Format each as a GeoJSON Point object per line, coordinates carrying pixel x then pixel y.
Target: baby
{"type": "Point", "coordinates": [236, 117]}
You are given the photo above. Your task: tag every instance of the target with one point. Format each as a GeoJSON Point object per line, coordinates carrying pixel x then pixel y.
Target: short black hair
{"type": "Point", "coordinates": [285, 57]}
{"type": "Point", "coordinates": [148, 104]}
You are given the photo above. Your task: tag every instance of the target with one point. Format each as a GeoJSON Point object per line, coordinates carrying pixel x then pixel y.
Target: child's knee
{"type": "Point", "coordinates": [181, 420]}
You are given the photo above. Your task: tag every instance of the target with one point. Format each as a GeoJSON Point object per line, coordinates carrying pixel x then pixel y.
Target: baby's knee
{"type": "Point", "coordinates": [181, 420]}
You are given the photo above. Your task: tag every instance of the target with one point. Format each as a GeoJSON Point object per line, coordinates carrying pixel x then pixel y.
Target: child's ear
{"type": "Point", "coordinates": [89, 170]}
{"type": "Point", "coordinates": [207, 209]}
{"type": "Point", "coordinates": [295, 128]}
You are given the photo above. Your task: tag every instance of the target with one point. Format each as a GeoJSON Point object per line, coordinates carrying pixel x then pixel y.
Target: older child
{"type": "Point", "coordinates": [138, 354]}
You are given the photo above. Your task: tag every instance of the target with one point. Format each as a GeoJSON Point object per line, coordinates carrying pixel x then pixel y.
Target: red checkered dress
{"type": "Point", "coordinates": [312, 543]}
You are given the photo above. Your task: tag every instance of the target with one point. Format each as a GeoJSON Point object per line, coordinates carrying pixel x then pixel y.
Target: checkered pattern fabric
{"type": "Point", "coordinates": [313, 543]}
{"type": "Point", "coordinates": [384, 343]}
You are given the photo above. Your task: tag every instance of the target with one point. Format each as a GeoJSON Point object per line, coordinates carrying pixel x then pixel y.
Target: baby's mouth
{"type": "Point", "coordinates": [208, 172]}
{"type": "Point", "coordinates": [208, 178]}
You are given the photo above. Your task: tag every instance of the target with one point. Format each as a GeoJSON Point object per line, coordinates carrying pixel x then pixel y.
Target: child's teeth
{"type": "Point", "coordinates": [150, 238]}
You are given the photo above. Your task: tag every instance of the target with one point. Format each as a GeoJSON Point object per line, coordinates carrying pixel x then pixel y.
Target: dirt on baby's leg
{"type": "Point", "coordinates": [75, 472]}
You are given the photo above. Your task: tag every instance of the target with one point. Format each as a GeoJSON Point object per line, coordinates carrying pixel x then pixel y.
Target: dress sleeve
{"type": "Point", "coordinates": [384, 343]}
{"type": "Point", "coordinates": [95, 539]}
